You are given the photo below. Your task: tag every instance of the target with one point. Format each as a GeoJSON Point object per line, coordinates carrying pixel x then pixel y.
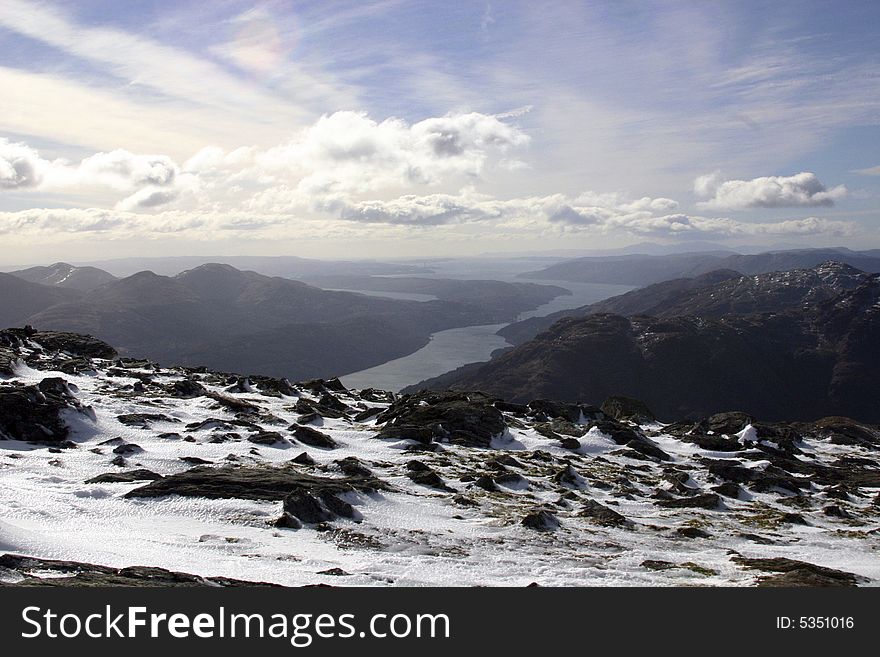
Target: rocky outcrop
{"type": "Point", "coordinates": [426, 417]}
{"type": "Point", "coordinates": [36, 413]}
{"type": "Point", "coordinates": [19, 571]}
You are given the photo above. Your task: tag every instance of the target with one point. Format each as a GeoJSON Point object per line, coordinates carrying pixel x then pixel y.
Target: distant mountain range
{"type": "Point", "coordinates": [648, 269]}
{"type": "Point", "coordinates": [787, 345]}
{"type": "Point", "coordinates": [229, 319]}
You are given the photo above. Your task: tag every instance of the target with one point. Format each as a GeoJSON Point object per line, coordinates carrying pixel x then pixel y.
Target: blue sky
{"type": "Point", "coordinates": [426, 128]}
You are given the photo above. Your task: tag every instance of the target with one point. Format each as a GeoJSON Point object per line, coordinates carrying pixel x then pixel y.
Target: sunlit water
{"type": "Point", "coordinates": [453, 348]}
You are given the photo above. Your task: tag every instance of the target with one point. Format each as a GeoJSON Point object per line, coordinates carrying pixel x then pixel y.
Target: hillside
{"type": "Point", "coordinates": [196, 477]}
{"type": "Point", "coordinates": [713, 294]}
{"type": "Point", "coordinates": [819, 359]}
{"type": "Point", "coordinates": [226, 318]}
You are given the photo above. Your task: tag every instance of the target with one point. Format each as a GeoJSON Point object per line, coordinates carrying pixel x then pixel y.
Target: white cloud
{"type": "Point", "coordinates": [148, 180]}
{"type": "Point", "coordinates": [800, 190]}
{"type": "Point", "coordinates": [20, 166]}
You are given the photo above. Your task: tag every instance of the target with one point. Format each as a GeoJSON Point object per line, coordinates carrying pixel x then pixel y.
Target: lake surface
{"type": "Point", "coordinates": [400, 296]}
{"type": "Point", "coordinates": [453, 348]}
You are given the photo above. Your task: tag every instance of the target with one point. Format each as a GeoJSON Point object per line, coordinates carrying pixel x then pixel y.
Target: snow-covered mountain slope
{"type": "Point", "coordinates": [125, 463]}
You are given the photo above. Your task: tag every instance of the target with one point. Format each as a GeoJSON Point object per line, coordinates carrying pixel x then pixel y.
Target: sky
{"type": "Point", "coordinates": [390, 128]}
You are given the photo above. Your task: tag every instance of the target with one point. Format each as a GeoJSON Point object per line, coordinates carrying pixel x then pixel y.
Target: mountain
{"type": "Point", "coordinates": [228, 319]}
{"type": "Point", "coordinates": [714, 294]}
{"type": "Point", "coordinates": [172, 470]}
{"type": "Point", "coordinates": [647, 269]}
{"type": "Point", "coordinates": [19, 299]}
{"type": "Point", "coordinates": [284, 266]}
{"type": "Point", "coordinates": [801, 361]}
{"type": "Point", "coordinates": [64, 275]}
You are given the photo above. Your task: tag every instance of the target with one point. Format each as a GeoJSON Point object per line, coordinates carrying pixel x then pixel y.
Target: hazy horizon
{"type": "Point", "coordinates": [417, 129]}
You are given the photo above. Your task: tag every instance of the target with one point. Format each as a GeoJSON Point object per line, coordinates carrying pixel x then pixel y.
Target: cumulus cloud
{"type": "Point", "coordinates": [800, 190]}
{"type": "Point", "coordinates": [346, 173]}
{"type": "Point", "coordinates": [20, 166]}
{"type": "Point", "coordinates": [148, 180]}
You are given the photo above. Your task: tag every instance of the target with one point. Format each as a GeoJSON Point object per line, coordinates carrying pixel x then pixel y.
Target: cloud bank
{"type": "Point", "coordinates": [348, 173]}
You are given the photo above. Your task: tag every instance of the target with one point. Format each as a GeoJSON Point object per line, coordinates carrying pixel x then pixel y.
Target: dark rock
{"type": "Point", "coordinates": [334, 572]}
{"type": "Point", "coordinates": [303, 459]}
{"type": "Point", "coordinates": [186, 389]}
{"type": "Point", "coordinates": [352, 467]}
{"type": "Point", "coordinates": [75, 344]}
{"type": "Point", "coordinates": [627, 409]}
{"type": "Point", "coordinates": [601, 514]}
{"type": "Point", "coordinates": [273, 387]}
{"type": "Point", "coordinates": [195, 460]}
{"type": "Point", "coordinates": [761, 480]}
{"type": "Point", "coordinates": [143, 420]}
{"type": "Point", "coordinates": [77, 574]}
{"type": "Point", "coordinates": [124, 477]}
{"type": "Point", "coordinates": [798, 573]}
{"type": "Point", "coordinates": [463, 418]}
{"type": "Point", "coordinates": [541, 520]}
{"type": "Point", "coordinates": [631, 437]}
{"type": "Point", "coordinates": [844, 431]}
{"type": "Point", "coordinates": [486, 483]}
{"type": "Point", "coordinates": [34, 413]}
{"type": "Point", "coordinates": [430, 479]}
{"type": "Point", "coordinates": [232, 404]}
{"type": "Point", "coordinates": [366, 414]}
{"type": "Point", "coordinates": [507, 407]}
{"type": "Point", "coordinates": [569, 443]}
{"type": "Point", "coordinates": [704, 501]}
{"type": "Point", "coordinates": [461, 500]}
{"type": "Point", "coordinates": [836, 511]}
{"type": "Point", "coordinates": [251, 483]}
{"type": "Point", "coordinates": [793, 519]}
{"type": "Point", "coordinates": [511, 480]}
{"type": "Point", "coordinates": [287, 521]}
{"type": "Point", "coordinates": [306, 508]}
{"type": "Point", "coordinates": [728, 489]}
{"type": "Point", "coordinates": [127, 449]}
{"type": "Point", "coordinates": [312, 437]}
{"type": "Point", "coordinates": [266, 438]}
{"type": "Point", "coordinates": [692, 532]}
{"type": "Point", "coordinates": [417, 466]}
{"type": "Point", "coordinates": [329, 400]}
{"type": "Point", "coordinates": [568, 476]}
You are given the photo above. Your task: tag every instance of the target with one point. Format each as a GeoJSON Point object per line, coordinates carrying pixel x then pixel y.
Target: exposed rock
{"type": "Point", "coordinates": [312, 437]}
{"type": "Point", "coordinates": [143, 420]}
{"type": "Point", "coordinates": [464, 418]}
{"type": "Point", "coordinates": [797, 573]}
{"type": "Point", "coordinates": [35, 413]}
{"type": "Point", "coordinates": [55, 573]}
{"type": "Point", "coordinates": [124, 477]}
{"type": "Point", "coordinates": [251, 483]}
{"type": "Point", "coordinates": [627, 409]}
{"type": "Point", "coordinates": [266, 438]}
{"type": "Point", "coordinates": [541, 520]}
{"type": "Point", "coordinates": [704, 501]}
{"type": "Point", "coordinates": [186, 389]}
{"type": "Point", "coordinates": [601, 514]}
